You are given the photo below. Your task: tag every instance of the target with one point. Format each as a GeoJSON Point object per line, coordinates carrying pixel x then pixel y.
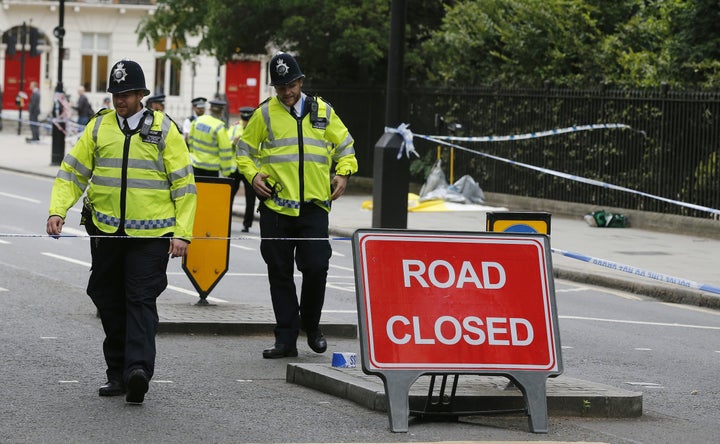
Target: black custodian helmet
{"type": "Point", "coordinates": [284, 69]}
{"type": "Point", "coordinates": [125, 76]}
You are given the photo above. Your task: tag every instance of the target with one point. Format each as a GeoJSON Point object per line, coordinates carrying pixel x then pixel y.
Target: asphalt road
{"type": "Point", "coordinates": [219, 389]}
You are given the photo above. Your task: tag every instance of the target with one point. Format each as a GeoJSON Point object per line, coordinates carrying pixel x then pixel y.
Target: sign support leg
{"type": "Point", "coordinates": [397, 391]}
{"type": "Point", "coordinates": [533, 387]}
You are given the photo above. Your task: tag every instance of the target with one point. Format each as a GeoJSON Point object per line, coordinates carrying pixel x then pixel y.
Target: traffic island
{"type": "Point", "coordinates": [475, 394]}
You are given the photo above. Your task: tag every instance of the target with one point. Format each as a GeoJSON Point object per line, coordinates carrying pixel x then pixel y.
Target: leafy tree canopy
{"type": "Point", "coordinates": [572, 43]}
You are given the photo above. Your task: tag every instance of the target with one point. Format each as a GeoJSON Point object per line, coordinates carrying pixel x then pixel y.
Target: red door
{"type": "Point", "coordinates": [242, 84]}
{"type": "Point", "coordinates": [12, 78]}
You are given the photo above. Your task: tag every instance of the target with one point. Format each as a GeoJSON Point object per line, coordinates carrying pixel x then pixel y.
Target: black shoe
{"type": "Point", "coordinates": [245, 230]}
{"type": "Point", "coordinates": [317, 341]}
{"type": "Point", "coordinates": [137, 386]}
{"type": "Point", "coordinates": [111, 388]}
{"type": "Point", "coordinates": [280, 351]}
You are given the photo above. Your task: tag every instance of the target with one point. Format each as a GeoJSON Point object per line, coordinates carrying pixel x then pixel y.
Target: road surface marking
{"type": "Point", "coordinates": [621, 321]}
{"type": "Point", "coordinates": [15, 196]}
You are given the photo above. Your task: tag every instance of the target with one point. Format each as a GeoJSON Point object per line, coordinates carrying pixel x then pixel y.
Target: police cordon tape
{"type": "Point", "coordinates": [581, 257]}
{"type": "Point", "coordinates": [408, 148]}
{"type": "Point", "coordinates": [638, 271]}
{"type": "Point", "coordinates": [48, 126]}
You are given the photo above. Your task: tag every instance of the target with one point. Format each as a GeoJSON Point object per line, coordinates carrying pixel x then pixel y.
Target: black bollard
{"type": "Point", "coordinates": [391, 184]}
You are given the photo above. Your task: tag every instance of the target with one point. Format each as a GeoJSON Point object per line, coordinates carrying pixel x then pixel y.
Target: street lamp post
{"type": "Point", "coordinates": [58, 128]}
{"type": "Point", "coordinates": [392, 173]}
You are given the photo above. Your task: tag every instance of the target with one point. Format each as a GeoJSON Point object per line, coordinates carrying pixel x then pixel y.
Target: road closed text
{"type": "Point", "coordinates": [442, 274]}
{"type": "Point", "coordinates": [472, 330]}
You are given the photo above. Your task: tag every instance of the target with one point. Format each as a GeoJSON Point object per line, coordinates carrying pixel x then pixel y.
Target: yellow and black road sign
{"type": "Point", "coordinates": [519, 222]}
{"type": "Point", "coordinates": [208, 254]}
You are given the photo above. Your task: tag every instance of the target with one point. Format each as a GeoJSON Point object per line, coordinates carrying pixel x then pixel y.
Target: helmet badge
{"type": "Point", "coordinates": [119, 74]}
{"type": "Point", "coordinates": [281, 68]}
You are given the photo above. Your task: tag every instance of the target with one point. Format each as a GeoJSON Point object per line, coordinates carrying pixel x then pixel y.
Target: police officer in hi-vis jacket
{"type": "Point", "coordinates": [287, 151]}
{"type": "Point", "coordinates": [140, 202]}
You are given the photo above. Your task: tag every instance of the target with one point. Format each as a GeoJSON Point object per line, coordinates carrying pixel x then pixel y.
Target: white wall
{"type": "Point", "coordinates": [121, 22]}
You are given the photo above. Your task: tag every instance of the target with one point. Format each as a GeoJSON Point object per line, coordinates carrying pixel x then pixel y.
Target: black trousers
{"type": "Point", "coordinates": [249, 203]}
{"type": "Point", "coordinates": [282, 249]}
{"type": "Point", "coordinates": [34, 127]}
{"type": "Point", "coordinates": [127, 277]}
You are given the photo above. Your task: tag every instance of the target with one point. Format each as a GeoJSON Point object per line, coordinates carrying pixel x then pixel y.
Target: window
{"type": "Point", "coordinates": [95, 50]}
{"type": "Point", "coordinates": [167, 71]}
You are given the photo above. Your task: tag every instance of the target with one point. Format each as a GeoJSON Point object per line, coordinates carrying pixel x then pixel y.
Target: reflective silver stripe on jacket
{"type": "Point", "coordinates": [71, 178]}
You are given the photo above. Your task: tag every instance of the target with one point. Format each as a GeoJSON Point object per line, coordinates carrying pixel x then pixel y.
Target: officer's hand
{"type": "Point", "coordinates": [54, 226]}
{"type": "Point", "coordinates": [261, 188]}
{"type": "Point", "coordinates": [339, 183]}
{"type": "Point", "coordinates": [178, 248]}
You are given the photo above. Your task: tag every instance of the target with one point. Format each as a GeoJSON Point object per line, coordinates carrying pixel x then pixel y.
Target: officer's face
{"type": "Point", "coordinates": [289, 94]}
{"type": "Point", "coordinates": [128, 103]}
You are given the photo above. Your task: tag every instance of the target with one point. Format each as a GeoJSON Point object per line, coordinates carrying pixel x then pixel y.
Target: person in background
{"type": "Point", "coordinates": [234, 133]}
{"type": "Point", "coordinates": [1, 105]}
{"type": "Point", "coordinates": [210, 149]}
{"type": "Point", "coordinates": [198, 109]}
{"type": "Point", "coordinates": [156, 103]}
{"type": "Point", "coordinates": [84, 110]}
{"type": "Point", "coordinates": [34, 112]}
{"type": "Point", "coordinates": [139, 210]}
{"type": "Point", "coordinates": [286, 152]}
{"type": "Point", "coordinates": [106, 103]}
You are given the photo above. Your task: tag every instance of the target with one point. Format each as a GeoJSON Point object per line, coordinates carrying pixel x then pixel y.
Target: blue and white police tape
{"type": "Point", "coordinates": [572, 176]}
{"type": "Point", "coordinates": [407, 146]}
{"type": "Point", "coordinates": [344, 360]}
{"type": "Point", "coordinates": [638, 271]}
{"type": "Point", "coordinates": [74, 127]}
{"type": "Point", "coordinates": [113, 236]}
{"type": "Point", "coordinates": [535, 135]}
{"type": "Point", "coordinates": [579, 256]}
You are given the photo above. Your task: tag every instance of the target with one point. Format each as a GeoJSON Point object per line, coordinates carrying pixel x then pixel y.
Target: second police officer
{"type": "Point", "coordinates": [286, 152]}
{"type": "Point", "coordinates": [210, 148]}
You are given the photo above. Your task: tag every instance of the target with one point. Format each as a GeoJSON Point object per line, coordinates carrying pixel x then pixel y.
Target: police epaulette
{"type": "Point", "coordinates": [171, 119]}
{"type": "Point", "coordinates": [100, 112]}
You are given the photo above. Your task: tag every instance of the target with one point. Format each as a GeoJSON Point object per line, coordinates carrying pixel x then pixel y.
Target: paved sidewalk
{"type": "Point", "coordinates": [667, 255]}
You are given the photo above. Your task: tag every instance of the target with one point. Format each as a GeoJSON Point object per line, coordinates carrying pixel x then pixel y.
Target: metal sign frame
{"type": "Point", "coordinates": [387, 346]}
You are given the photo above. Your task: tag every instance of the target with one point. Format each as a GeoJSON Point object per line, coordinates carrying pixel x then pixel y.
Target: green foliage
{"type": "Point", "coordinates": [513, 43]}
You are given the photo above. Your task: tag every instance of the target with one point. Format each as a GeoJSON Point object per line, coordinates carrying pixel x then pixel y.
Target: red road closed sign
{"type": "Point", "coordinates": [453, 302]}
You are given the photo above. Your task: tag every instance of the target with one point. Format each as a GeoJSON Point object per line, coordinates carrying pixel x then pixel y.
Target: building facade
{"type": "Point", "coordinates": [98, 33]}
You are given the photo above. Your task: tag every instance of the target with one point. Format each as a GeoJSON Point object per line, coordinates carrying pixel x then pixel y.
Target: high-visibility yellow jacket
{"type": "Point", "coordinates": [141, 182]}
{"type": "Point", "coordinates": [297, 154]}
{"type": "Point", "coordinates": [210, 147]}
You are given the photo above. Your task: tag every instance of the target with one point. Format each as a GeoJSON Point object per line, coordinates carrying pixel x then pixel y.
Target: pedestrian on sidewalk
{"type": "Point", "coordinates": [286, 153]}
{"type": "Point", "coordinates": [139, 210]}
{"type": "Point", "coordinates": [234, 133]}
{"type": "Point", "coordinates": [83, 107]}
{"type": "Point", "coordinates": [34, 112]}
{"type": "Point", "coordinates": [1, 106]}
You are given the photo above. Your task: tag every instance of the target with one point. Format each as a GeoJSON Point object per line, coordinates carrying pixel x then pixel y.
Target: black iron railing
{"type": "Point", "coordinates": [672, 149]}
